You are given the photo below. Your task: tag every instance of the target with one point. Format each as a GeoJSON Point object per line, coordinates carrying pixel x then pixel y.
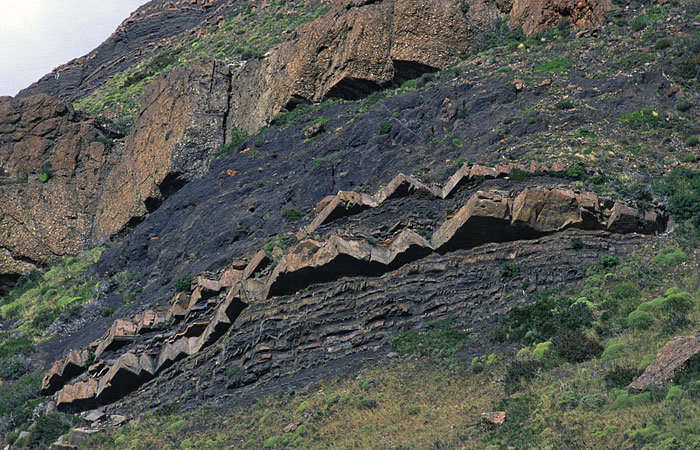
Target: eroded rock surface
{"type": "Point", "coordinates": [44, 221]}
{"type": "Point", "coordinates": [175, 136]}
{"type": "Point", "coordinates": [537, 15]}
{"type": "Point", "coordinates": [355, 49]}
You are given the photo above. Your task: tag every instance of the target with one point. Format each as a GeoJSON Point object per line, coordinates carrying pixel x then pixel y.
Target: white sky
{"type": "Point", "coordinates": [38, 35]}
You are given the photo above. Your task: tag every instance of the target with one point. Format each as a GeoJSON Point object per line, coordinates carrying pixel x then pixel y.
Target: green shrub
{"type": "Point", "coordinates": [692, 141]}
{"type": "Point", "coordinates": [613, 350]}
{"type": "Point", "coordinates": [184, 283]}
{"type": "Point", "coordinates": [439, 339]}
{"type": "Point", "coordinates": [627, 400]}
{"type": "Point", "coordinates": [237, 138]}
{"type": "Point", "coordinates": [682, 189]}
{"type": "Point", "coordinates": [367, 403]}
{"type": "Point", "coordinates": [683, 104]}
{"type": "Point", "coordinates": [509, 270]}
{"type": "Point", "coordinates": [640, 320]}
{"type": "Point", "coordinates": [674, 392]}
{"type": "Point", "coordinates": [47, 429]}
{"type": "Point", "coordinates": [384, 127]}
{"type": "Point", "coordinates": [107, 311]}
{"type": "Point", "coordinates": [564, 104]}
{"type": "Point", "coordinates": [618, 377]}
{"type": "Point", "coordinates": [520, 371]}
{"type": "Point", "coordinates": [258, 143]}
{"type": "Point", "coordinates": [574, 346]}
{"type": "Point", "coordinates": [644, 119]}
{"type": "Point", "coordinates": [16, 346]}
{"type": "Point", "coordinates": [292, 215]}
{"type": "Point", "coordinates": [43, 177]}
{"type": "Point", "coordinates": [576, 172]}
{"type": "Point", "coordinates": [670, 258]}
{"type": "Point", "coordinates": [662, 43]}
{"type": "Point", "coordinates": [456, 142]}
{"type": "Point", "coordinates": [556, 64]}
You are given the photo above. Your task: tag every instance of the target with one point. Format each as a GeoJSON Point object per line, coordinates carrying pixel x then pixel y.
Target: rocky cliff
{"type": "Point", "coordinates": [390, 164]}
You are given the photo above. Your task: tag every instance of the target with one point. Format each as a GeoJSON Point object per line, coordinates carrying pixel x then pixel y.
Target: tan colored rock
{"type": "Point", "coordinates": [491, 420]}
{"type": "Point", "coordinates": [623, 219]}
{"type": "Point", "coordinates": [355, 49]}
{"type": "Point", "coordinates": [119, 334]}
{"type": "Point", "coordinates": [546, 210]}
{"type": "Point", "coordinates": [204, 290]}
{"type": "Point", "coordinates": [73, 364]}
{"type": "Point", "coordinates": [42, 222]}
{"type": "Point", "coordinates": [174, 138]}
{"type": "Point", "coordinates": [259, 261]}
{"type": "Point", "coordinates": [485, 211]}
{"type": "Point", "coordinates": [536, 15]}
{"type": "Point", "coordinates": [178, 307]}
{"type": "Point", "coordinates": [151, 320]}
{"type": "Point", "coordinates": [77, 395]}
{"type": "Point", "coordinates": [456, 181]}
{"type": "Point", "coordinates": [482, 171]}
{"type": "Point", "coordinates": [344, 203]}
{"type": "Point", "coordinates": [230, 277]}
{"type": "Point", "coordinates": [127, 372]}
{"type": "Point", "coordinates": [671, 358]}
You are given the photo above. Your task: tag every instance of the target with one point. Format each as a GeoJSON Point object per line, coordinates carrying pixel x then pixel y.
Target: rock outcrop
{"type": "Point", "coordinates": [358, 47]}
{"type": "Point", "coordinates": [670, 359]}
{"type": "Point", "coordinates": [537, 15]}
{"type": "Point", "coordinates": [174, 138]}
{"type": "Point", "coordinates": [52, 163]}
{"type": "Point", "coordinates": [134, 350]}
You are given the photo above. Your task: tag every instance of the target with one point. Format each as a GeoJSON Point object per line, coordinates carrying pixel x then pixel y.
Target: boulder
{"type": "Point", "coordinates": [128, 372]}
{"type": "Point", "coordinates": [178, 307]}
{"type": "Point", "coordinates": [259, 261]}
{"type": "Point", "coordinates": [456, 181]}
{"type": "Point", "coordinates": [493, 419]}
{"type": "Point", "coordinates": [482, 172]}
{"type": "Point", "coordinates": [671, 358]}
{"type": "Point", "coordinates": [484, 213]}
{"type": "Point", "coordinates": [80, 437]}
{"type": "Point", "coordinates": [204, 290]}
{"type": "Point", "coordinates": [72, 365]}
{"type": "Point", "coordinates": [79, 395]}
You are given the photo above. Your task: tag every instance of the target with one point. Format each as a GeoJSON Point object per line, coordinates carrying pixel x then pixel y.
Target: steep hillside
{"type": "Point", "coordinates": [364, 234]}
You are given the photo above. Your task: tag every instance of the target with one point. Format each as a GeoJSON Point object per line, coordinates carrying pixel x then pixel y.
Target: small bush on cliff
{"type": "Point", "coordinates": [682, 189]}
{"type": "Point", "coordinates": [183, 283]}
{"type": "Point", "coordinates": [384, 127]}
{"type": "Point", "coordinates": [509, 270]}
{"type": "Point", "coordinates": [47, 429]}
{"type": "Point", "coordinates": [292, 215]}
{"type": "Point", "coordinates": [237, 138]}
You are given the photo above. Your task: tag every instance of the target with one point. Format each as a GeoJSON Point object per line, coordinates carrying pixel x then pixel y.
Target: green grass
{"type": "Point", "coordinates": [556, 64]}
{"type": "Point", "coordinates": [41, 298]}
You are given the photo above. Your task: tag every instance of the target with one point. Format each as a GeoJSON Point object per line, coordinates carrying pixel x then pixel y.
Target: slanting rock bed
{"type": "Point", "coordinates": [132, 353]}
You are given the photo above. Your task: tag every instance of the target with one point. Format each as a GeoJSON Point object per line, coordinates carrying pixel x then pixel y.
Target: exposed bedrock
{"type": "Point", "coordinates": [537, 15]}
{"type": "Point", "coordinates": [52, 162]}
{"type": "Point", "coordinates": [177, 131]}
{"type": "Point", "coordinates": [358, 47]}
